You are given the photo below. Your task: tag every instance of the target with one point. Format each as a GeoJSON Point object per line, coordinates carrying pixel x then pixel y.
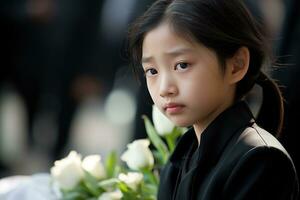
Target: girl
{"type": "Point", "coordinates": [201, 58]}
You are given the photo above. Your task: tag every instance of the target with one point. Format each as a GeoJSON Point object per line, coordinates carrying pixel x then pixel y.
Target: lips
{"type": "Point", "coordinates": [173, 108]}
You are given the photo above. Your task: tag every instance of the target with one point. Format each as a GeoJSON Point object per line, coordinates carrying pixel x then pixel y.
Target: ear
{"type": "Point", "coordinates": [238, 65]}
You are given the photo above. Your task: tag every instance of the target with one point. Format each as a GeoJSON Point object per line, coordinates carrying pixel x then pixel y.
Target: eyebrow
{"type": "Point", "coordinates": [147, 59]}
{"type": "Point", "coordinates": [174, 52]}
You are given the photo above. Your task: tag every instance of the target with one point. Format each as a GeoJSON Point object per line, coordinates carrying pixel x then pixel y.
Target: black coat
{"type": "Point", "coordinates": [236, 160]}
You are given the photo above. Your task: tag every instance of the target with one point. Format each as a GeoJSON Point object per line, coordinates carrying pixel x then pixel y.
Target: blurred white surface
{"type": "Point", "coordinates": [9, 183]}
{"type": "Point", "coordinates": [36, 187]}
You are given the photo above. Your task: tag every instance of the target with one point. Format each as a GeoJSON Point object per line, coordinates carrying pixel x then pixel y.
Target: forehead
{"type": "Point", "coordinates": [163, 38]}
{"type": "Point", "coordinates": [162, 42]}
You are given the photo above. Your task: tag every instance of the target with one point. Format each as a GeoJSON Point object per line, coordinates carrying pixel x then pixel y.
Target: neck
{"type": "Point", "coordinates": [200, 126]}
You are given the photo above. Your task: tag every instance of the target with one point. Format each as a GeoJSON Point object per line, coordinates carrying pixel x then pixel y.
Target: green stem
{"type": "Point", "coordinates": [153, 179]}
{"type": "Point", "coordinates": [170, 142]}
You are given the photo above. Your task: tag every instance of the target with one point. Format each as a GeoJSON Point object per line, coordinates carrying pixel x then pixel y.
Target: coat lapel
{"type": "Point", "coordinates": [214, 140]}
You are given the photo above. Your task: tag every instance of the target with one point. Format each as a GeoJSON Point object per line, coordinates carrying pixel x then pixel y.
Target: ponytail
{"type": "Point", "coordinates": [270, 116]}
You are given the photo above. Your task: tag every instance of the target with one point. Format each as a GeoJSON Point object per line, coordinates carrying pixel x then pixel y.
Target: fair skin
{"type": "Point", "coordinates": [185, 80]}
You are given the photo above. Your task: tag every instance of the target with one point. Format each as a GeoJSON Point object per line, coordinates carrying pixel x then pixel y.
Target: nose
{"type": "Point", "coordinates": [167, 86]}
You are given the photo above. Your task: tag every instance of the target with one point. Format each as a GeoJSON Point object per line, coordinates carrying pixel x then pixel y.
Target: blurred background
{"type": "Point", "coordinates": [65, 81]}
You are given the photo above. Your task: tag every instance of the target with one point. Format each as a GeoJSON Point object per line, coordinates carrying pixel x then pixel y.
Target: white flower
{"type": "Point", "coordinates": [138, 155]}
{"type": "Point", "coordinates": [116, 195]}
{"type": "Point", "coordinates": [132, 179]}
{"type": "Point", "coordinates": [67, 172]}
{"type": "Point", "coordinates": [162, 124]}
{"type": "Point", "coordinates": [94, 166]}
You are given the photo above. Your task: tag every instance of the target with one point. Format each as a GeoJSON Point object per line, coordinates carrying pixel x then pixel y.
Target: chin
{"type": "Point", "coordinates": [181, 122]}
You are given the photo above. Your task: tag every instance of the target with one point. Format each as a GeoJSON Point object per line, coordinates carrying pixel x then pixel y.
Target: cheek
{"type": "Point", "coordinates": [152, 90]}
{"type": "Point", "coordinates": [202, 89]}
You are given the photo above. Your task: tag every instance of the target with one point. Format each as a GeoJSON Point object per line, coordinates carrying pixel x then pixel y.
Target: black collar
{"type": "Point", "coordinates": [215, 137]}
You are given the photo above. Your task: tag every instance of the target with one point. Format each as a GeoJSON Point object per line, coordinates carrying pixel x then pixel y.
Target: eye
{"type": "Point", "coordinates": [150, 72]}
{"type": "Point", "coordinates": [182, 66]}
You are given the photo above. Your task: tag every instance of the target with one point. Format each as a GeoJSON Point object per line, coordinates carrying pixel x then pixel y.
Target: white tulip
{"type": "Point", "coordinates": [138, 155]}
{"type": "Point", "coordinates": [162, 124]}
{"type": "Point", "coordinates": [116, 195]}
{"type": "Point", "coordinates": [94, 166]}
{"type": "Point", "coordinates": [132, 179]}
{"type": "Point", "coordinates": [67, 172]}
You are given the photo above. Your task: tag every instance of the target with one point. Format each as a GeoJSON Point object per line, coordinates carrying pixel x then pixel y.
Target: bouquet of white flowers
{"type": "Point", "coordinates": [90, 178]}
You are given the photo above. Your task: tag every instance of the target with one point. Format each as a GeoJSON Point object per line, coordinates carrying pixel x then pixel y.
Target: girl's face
{"type": "Point", "coordinates": [184, 78]}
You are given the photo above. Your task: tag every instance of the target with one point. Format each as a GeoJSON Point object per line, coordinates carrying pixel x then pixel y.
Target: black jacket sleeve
{"type": "Point", "coordinates": [262, 173]}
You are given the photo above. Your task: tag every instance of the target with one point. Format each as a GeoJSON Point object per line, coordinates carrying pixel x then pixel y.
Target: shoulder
{"type": "Point", "coordinates": [256, 141]}
{"type": "Point", "coordinates": [257, 159]}
{"type": "Point", "coordinates": [255, 136]}
{"type": "Point", "coordinates": [259, 146]}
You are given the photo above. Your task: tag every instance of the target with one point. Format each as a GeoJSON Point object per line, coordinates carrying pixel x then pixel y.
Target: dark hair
{"type": "Point", "coordinates": [223, 26]}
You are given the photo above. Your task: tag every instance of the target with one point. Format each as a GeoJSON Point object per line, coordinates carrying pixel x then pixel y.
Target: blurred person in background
{"type": "Point", "coordinates": [288, 51]}
{"type": "Point", "coordinates": [23, 24]}
{"type": "Point", "coordinates": [75, 67]}
{"type": "Point", "coordinates": [69, 51]}
{"type": "Point", "coordinates": [52, 56]}
{"type": "Point", "coordinates": [96, 41]}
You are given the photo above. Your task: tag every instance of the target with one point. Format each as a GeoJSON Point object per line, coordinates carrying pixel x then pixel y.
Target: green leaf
{"type": "Point", "coordinates": [150, 177]}
{"type": "Point", "coordinates": [108, 183]}
{"type": "Point", "coordinates": [179, 131]}
{"type": "Point", "coordinates": [171, 142]}
{"type": "Point", "coordinates": [91, 184]}
{"type": "Point", "coordinates": [149, 189]}
{"type": "Point", "coordinates": [73, 196]}
{"type": "Point", "coordinates": [156, 140]}
{"type": "Point", "coordinates": [128, 193]}
{"type": "Point", "coordinates": [111, 164]}
{"type": "Point", "coordinates": [123, 187]}
{"type": "Point", "coordinates": [77, 193]}
{"type": "Point", "coordinates": [158, 159]}
{"type": "Point", "coordinates": [173, 136]}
